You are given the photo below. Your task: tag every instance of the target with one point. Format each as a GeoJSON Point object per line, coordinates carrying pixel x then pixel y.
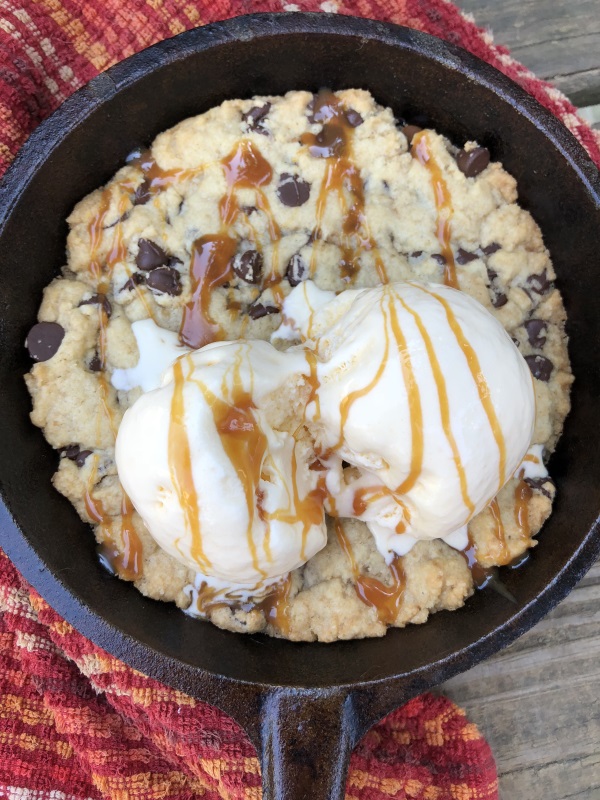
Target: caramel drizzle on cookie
{"type": "Point", "coordinates": [385, 599]}
{"type": "Point", "coordinates": [122, 557]}
{"type": "Point", "coordinates": [523, 495]}
{"type": "Point", "coordinates": [212, 256]}
{"type": "Point", "coordinates": [342, 178]}
{"type": "Point", "coordinates": [421, 151]}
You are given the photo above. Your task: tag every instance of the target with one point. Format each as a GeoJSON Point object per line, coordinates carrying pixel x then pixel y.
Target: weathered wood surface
{"type": "Point", "coordinates": [558, 40]}
{"type": "Point", "coordinates": [538, 703]}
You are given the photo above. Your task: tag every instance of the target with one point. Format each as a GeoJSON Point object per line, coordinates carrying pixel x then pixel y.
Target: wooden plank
{"type": "Point", "coordinates": [538, 703]}
{"type": "Point", "coordinates": [559, 41]}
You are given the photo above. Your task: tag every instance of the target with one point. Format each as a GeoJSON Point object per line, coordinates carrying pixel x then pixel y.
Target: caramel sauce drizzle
{"type": "Point", "coordinates": [124, 560]}
{"type": "Point", "coordinates": [246, 447]}
{"type": "Point", "coordinates": [479, 379]}
{"type": "Point", "coordinates": [274, 605]}
{"type": "Point", "coordinates": [414, 403]}
{"type": "Point", "coordinates": [156, 179]}
{"type": "Point", "coordinates": [444, 405]}
{"type": "Point", "coordinates": [504, 557]}
{"type": "Point", "coordinates": [386, 600]}
{"type": "Point", "coordinates": [342, 177]}
{"type": "Point", "coordinates": [523, 494]}
{"type": "Point", "coordinates": [180, 465]}
{"type": "Point", "coordinates": [443, 202]}
{"type": "Point", "coordinates": [210, 267]}
{"type": "Point", "coordinates": [481, 575]}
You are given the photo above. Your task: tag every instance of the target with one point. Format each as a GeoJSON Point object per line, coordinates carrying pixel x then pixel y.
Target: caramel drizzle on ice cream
{"type": "Point", "coordinates": [342, 178]}
{"type": "Point", "coordinates": [421, 150]}
{"type": "Point", "coordinates": [480, 382]}
{"type": "Point", "coordinates": [386, 600]}
{"type": "Point", "coordinates": [180, 465]}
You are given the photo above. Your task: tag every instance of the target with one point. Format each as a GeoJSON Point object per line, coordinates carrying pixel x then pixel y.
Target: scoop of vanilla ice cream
{"type": "Point", "coordinates": [424, 393]}
{"type": "Point", "coordinates": [214, 463]}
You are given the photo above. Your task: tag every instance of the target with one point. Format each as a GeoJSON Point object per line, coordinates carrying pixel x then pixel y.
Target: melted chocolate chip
{"type": "Point", "coordinates": [44, 339]}
{"type": "Point", "coordinates": [353, 118]}
{"type": "Point", "coordinates": [166, 280]}
{"type": "Point", "coordinates": [541, 367]}
{"type": "Point", "coordinates": [99, 300]}
{"type": "Point", "coordinates": [499, 299]}
{"type": "Point", "coordinates": [255, 117]}
{"type": "Point", "coordinates": [142, 194]}
{"type": "Point", "coordinates": [74, 453]}
{"type": "Point", "coordinates": [439, 258]}
{"type": "Point", "coordinates": [249, 210]}
{"type": "Point", "coordinates": [296, 271]}
{"type": "Point", "coordinates": [318, 109]}
{"type": "Point", "coordinates": [490, 249]}
{"type": "Point", "coordinates": [292, 190]}
{"type": "Point", "coordinates": [410, 131]}
{"type": "Point", "coordinates": [95, 364]}
{"type": "Point", "coordinates": [416, 254]}
{"type": "Point", "coordinates": [464, 257]}
{"type": "Point", "coordinates": [248, 266]}
{"type": "Point", "coordinates": [539, 485]}
{"type": "Point", "coordinates": [150, 255]}
{"type": "Point", "coordinates": [258, 310]}
{"type": "Point", "coordinates": [330, 142]}
{"type": "Point", "coordinates": [538, 283]}
{"type": "Point", "coordinates": [535, 329]}
{"type": "Point", "coordinates": [136, 279]}
{"type": "Point", "coordinates": [473, 162]}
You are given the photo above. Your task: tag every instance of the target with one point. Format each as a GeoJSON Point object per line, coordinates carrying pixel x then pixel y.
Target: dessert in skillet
{"type": "Point", "coordinates": [303, 368]}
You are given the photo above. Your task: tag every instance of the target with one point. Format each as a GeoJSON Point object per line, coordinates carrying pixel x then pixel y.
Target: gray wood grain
{"type": "Point", "coordinates": [538, 703]}
{"type": "Point", "coordinates": [558, 40]}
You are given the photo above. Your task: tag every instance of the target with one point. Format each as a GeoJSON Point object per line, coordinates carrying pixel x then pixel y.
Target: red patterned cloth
{"type": "Point", "coordinates": [75, 722]}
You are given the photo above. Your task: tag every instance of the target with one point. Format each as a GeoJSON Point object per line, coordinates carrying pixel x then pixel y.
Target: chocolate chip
{"type": "Point", "coordinates": [98, 300]}
{"type": "Point", "coordinates": [515, 342]}
{"type": "Point", "coordinates": [292, 190]}
{"type": "Point", "coordinates": [490, 249]}
{"type": "Point", "coordinates": [541, 367]}
{"type": "Point", "coordinates": [296, 271]}
{"type": "Point", "coordinates": [464, 257]}
{"type": "Point", "coordinates": [410, 131]}
{"type": "Point", "coordinates": [150, 255]}
{"type": "Point", "coordinates": [249, 210]}
{"type": "Point", "coordinates": [319, 109]}
{"type": "Point", "coordinates": [44, 339]}
{"type": "Point", "coordinates": [255, 117]}
{"type": "Point", "coordinates": [499, 299]}
{"type": "Point", "coordinates": [248, 266]}
{"type": "Point", "coordinates": [536, 332]}
{"type": "Point", "coordinates": [471, 163]}
{"type": "Point", "coordinates": [74, 453]}
{"type": "Point", "coordinates": [135, 280]}
{"type": "Point", "coordinates": [142, 194]}
{"type": "Point", "coordinates": [166, 280]}
{"type": "Point", "coordinates": [538, 283]}
{"type": "Point", "coordinates": [353, 118]}
{"type": "Point", "coordinates": [95, 364]}
{"type": "Point", "coordinates": [416, 254]}
{"type": "Point", "coordinates": [539, 485]}
{"type": "Point", "coordinates": [439, 258]}
{"type": "Point", "coordinates": [258, 310]}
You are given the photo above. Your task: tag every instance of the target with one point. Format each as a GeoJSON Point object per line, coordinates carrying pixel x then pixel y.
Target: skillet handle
{"type": "Point", "coordinates": [306, 738]}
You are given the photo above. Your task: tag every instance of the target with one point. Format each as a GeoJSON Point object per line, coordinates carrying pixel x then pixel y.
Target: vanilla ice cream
{"type": "Point", "coordinates": [231, 461]}
{"type": "Point", "coordinates": [217, 485]}
{"type": "Point", "coordinates": [425, 394]}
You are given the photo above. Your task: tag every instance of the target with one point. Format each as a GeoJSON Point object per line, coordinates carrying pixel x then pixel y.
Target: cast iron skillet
{"type": "Point", "coordinates": [304, 705]}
